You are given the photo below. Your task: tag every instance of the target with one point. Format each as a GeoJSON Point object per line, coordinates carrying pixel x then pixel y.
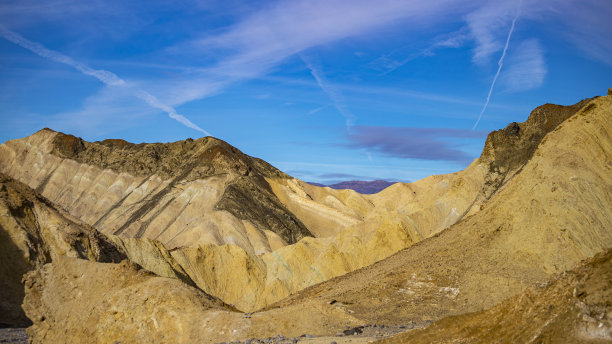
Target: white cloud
{"type": "Point", "coordinates": [258, 41]}
{"type": "Point", "coordinates": [254, 46]}
{"type": "Point", "coordinates": [488, 27]}
{"type": "Point", "coordinates": [589, 26]}
{"type": "Point", "coordinates": [500, 65]}
{"type": "Point", "coordinates": [526, 67]}
{"type": "Point", "coordinates": [332, 92]}
{"type": "Point", "coordinates": [106, 77]}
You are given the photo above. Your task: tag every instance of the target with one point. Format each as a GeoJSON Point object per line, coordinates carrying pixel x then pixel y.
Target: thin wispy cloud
{"type": "Point", "coordinates": [483, 26]}
{"type": "Point", "coordinates": [106, 77]}
{"type": "Point", "coordinates": [390, 62]}
{"type": "Point", "coordinates": [332, 92]}
{"type": "Point", "coordinates": [263, 39]}
{"type": "Point", "coordinates": [313, 111]}
{"type": "Point", "coordinates": [453, 40]}
{"type": "Point", "coordinates": [258, 43]}
{"type": "Point", "coordinates": [500, 64]}
{"type": "Point", "coordinates": [216, 57]}
{"type": "Point", "coordinates": [377, 90]}
{"type": "Point", "coordinates": [587, 26]}
{"type": "Point", "coordinates": [154, 102]}
{"type": "Point", "coordinates": [386, 64]}
{"type": "Point", "coordinates": [487, 24]}
{"type": "Point", "coordinates": [526, 67]}
{"type": "Point", "coordinates": [413, 143]}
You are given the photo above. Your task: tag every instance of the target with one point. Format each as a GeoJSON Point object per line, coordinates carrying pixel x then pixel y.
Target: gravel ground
{"type": "Point", "coordinates": [355, 335]}
{"type": "Point", "coordinates": [360, 334]}
{"type": "Point", "coordinates": [13, 335]}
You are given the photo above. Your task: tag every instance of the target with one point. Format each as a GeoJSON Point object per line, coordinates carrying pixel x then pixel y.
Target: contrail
{"type": "Point", "coordinates": [313, 111]}
{"type": "Point", "coordinates": [154, 102]}
{"type": "Point", "coordinates": [106, 77]}
{"type": "Point", "coordinates": [331, 92]}
{"type": "Point", "coordinates": [500, 63]}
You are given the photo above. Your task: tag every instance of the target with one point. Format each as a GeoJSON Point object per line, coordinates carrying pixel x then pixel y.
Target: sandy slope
{"type": "Point", "coordinates": [538, 215]}
{"type": "Point", "coordinates": [224, 218]}
{"type": "Point", "coordinates": [545, 220]}
{"type": "Point", "coordinates": [209, 210]}
{"type": "Point", "coordinates": [574, 307]}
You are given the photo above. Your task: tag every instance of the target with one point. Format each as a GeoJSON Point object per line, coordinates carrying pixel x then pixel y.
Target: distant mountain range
{"type": "Point", "coordinates": [363, 187]}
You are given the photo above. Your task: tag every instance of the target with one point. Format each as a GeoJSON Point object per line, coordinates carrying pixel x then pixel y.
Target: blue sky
{"type": "Point", "coordinates": [324, 90]}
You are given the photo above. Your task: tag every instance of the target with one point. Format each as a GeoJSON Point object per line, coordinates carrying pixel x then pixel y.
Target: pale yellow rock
{"type": "Point", "coordinates": [78, 301]}
{"type": "Point", "coordinates": [152, 256]}
{"type": "Point", "coordinates": [250, 266]}
{"type": "Point", "coordinates": [32, 233]}
{"type": "Point", "coordinates": [352, 230]}
{"type": "Point", "coordinates": [250, 282]}
{"type": "Point", "coordinates": [547, 218]}
{"type": "Point", "coordinates": [472, 239]}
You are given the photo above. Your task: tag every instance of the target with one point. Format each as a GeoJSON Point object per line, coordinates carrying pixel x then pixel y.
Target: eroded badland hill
{"type": "Point", "coordinates": [111, 241]}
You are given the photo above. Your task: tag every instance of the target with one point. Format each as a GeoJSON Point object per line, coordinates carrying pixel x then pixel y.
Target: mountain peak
{"type": "Point", "coordinates": [205, 156]}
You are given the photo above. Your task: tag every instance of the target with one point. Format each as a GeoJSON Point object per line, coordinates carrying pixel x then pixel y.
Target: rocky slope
{"type": "Point", "coordinates": [211, 209]}
{"type": "Point", "coordinates": [181, 193]}
{"type": "Point", "coordinates": [547, 218]}
{"type": "Point", "coordinates": [33, 233]}
{"type": "Point", "coordinates": [474, 238]}
{"type": "Point", "coordinates": [223, 220]}
{"type": "Point", "coordinates": [81, 287]}
{"type": "Point", "coordinates": [574, 307]}
{"type": "Point", "coordinates": [78, 301]}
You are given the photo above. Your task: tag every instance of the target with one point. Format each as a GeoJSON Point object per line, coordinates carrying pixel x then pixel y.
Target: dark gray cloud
{"type": "Point", "coordinates": [414, 143]}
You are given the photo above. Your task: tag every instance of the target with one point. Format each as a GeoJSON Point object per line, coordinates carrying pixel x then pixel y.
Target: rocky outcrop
{"type": "Point", "coordinates": [251, 282]}
{"type": "Point", "coordinates": [77, 301]}
{"type": "Point", "coordinates": [205, 194]}
{"type": "Point", "coordinates": [232, 226]}
{"type": "Point", "coordinates": [353, 231]}
{"type": "Point", "coordinates": [507, 150]}
{"type": "Point", "coordinates": [32, 233]}
{"type": "Point", "coordinates": [190, 200]}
